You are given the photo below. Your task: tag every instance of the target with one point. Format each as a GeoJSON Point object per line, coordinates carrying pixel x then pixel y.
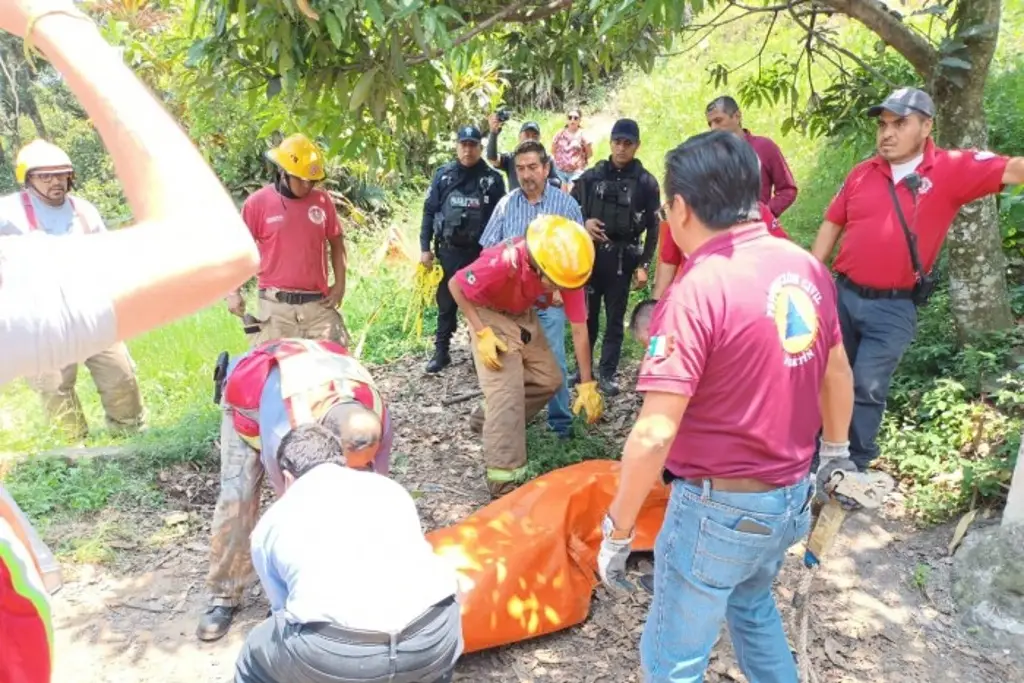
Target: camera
{"type": "Point", "coordinates": [503, 115]}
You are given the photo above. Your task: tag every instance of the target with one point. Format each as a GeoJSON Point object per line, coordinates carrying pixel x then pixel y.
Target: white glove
{"type": "Point", "coordinates": [834, 457]}
{"type": "Point", "coordinates": [611, 559]}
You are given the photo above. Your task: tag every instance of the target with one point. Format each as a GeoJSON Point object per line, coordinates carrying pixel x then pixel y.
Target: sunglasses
{"type": "Point", "coordinates": [574, 117]}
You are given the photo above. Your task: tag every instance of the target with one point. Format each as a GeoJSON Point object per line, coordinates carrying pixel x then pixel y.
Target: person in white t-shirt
{"type": "Point", "coordinates": [356, 592]}
{"type": "Point", "coordinates": [45, 204]}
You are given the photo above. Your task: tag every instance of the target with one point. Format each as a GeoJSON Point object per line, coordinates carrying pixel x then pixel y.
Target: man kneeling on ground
{"type": "Point", "coordinates": [391, 616]}
{"type": "Point", "coordinates": [267, 392]}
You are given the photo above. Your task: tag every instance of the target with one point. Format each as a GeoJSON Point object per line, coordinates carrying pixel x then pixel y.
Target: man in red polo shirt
{"type": "Point", "coordinates": [744, 366]}
{"type": "Point", "coordinates": [670, 258]}
{"type": "Point", "coordinates": [295, 225]}
{"type": "Point", "coordinates": [518, 372]}
{"type": "Point", "coordinates": [778, 189]}
{"type": "Point", "coordinates": [880, 280]}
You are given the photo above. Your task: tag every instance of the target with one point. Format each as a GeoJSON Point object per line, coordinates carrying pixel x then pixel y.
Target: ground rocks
{"type": "Point", "coordinates": [988, 584]}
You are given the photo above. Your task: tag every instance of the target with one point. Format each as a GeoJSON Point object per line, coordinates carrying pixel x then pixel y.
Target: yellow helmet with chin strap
{"type": "Point", "coordinates": [298, 156]}
{"type": "Point", "coordinates": [562, 249]}
{"type": "Point", "coordinates": [40, 155]}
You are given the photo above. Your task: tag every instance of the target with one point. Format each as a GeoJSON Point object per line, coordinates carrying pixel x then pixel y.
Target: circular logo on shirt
{"type": "Point", "coordinates": [317, 215]}
{"type": "Point", "coordinates": [796, 319]}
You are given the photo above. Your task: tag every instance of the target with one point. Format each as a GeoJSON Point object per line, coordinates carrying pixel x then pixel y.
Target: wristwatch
{"type": "Point", "coordinates": [610, 531]}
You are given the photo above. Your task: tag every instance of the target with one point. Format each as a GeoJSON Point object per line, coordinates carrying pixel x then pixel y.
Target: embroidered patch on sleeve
{"type": "Point", "coordinates": [661, 346]}
{"type": "Point", "coordinates": [470, 278]}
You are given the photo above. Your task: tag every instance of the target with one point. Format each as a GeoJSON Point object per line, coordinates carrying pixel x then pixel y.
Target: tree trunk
{"type": "Point", "coordinates": [979, 297]}
{"type": "Point", "coordinates": [28, 103]}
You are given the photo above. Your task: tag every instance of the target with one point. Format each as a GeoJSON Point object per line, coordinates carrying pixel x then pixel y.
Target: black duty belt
{"type": "Point", "coordinates": [871, 292]}
{"type": "Point", "coordinates": [293, 298]}
{"type": "Point", "coordinates": [353, 635]}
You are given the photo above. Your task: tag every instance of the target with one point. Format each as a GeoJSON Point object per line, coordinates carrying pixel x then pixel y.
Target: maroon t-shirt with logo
{"type": "Point", "coordinates": [745, 333]}
{"type": "Point", "coordinates": [873, 250]}
{"type": "Point", "coordinates": [291, 235]}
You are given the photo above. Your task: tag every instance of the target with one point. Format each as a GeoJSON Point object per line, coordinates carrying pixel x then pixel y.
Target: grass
{"type": "Point", "coordinates": [175, 362]}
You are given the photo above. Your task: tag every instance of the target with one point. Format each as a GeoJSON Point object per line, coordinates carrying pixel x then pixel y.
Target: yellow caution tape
{"type": "Point", "coordinates": [425, 284]}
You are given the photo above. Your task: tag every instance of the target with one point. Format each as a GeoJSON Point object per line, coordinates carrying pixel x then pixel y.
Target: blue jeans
{"type": "Point", "coordinates": [552, 321]}
{"type": "Point", "coordinates": [876, 333]}
{"type": "Point", "coordinates": [705, 570]}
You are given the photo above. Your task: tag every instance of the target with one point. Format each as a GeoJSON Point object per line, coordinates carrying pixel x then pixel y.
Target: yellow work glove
{"type": "Point", "coordinates": [488, 346]}
{"type": "Point", "coordinates": [589, 400]}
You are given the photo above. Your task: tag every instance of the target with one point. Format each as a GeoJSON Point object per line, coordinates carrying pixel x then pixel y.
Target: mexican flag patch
{"type": "Point", "coordinates": [660, 346]}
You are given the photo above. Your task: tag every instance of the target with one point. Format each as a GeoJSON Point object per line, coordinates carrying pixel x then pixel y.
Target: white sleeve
{"type": "Point", "coordinates": [54, 309]}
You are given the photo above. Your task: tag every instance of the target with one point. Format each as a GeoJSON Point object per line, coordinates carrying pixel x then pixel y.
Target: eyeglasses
{"type": "Point", "coordinates": [574, 117]}
{"type": "Point", "coordinates": [51, 177]}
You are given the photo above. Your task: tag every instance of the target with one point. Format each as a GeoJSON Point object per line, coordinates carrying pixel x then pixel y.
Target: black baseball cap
{"type": "Point", "coordinates": [626, 129]}
{"type": "Point", "coordinates": [470, 134]}
{"type": "Point", "coordinates": [904, 102]}
{"type": "Point", "coordinates": [530, 125]}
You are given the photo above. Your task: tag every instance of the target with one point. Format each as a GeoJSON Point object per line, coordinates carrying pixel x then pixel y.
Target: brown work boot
{"type": "Point", "coordinates": [501, 488]}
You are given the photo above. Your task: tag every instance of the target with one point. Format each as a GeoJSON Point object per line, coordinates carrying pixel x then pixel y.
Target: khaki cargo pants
{"type": "Point", "coordinates": [311, 320]}
{"type": "Point", "coordinates": [527, 380]}
{"type": "Point", "coordinates": [238, 508]}
{"type": "Point", "coordinates": [113, 371]}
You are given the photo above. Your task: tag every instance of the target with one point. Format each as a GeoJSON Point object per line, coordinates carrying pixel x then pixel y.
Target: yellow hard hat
{"type": "Point", "coordinates": [299, 157]}
{"type": "Point", "coordinates": [562, 249]}
{"type": "Point", "coordinates": [39, 155]}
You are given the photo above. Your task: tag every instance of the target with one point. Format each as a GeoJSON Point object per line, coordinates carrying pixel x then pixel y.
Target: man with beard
{"type": "Point", "coordinates": [460, 201]}
{"type": "Point", "coordinates": [45, 204]}
{"type": "Point", "coordinates": [893, 212]}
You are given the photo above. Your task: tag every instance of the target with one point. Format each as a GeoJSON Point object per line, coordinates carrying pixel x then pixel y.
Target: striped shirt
{"type": "Point", "coordinates": [515, 212]}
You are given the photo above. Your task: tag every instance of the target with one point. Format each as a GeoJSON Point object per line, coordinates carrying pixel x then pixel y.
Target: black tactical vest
{"type": "Point", "coordinates": [460, 222]}
{"type": "Point", "coordinates": [611, 201]}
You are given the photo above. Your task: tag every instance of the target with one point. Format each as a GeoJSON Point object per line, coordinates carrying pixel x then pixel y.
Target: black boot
{"type": "Point", "coordinates": [440, 361]}
{"type": "Point", "coordinates": [608, 386]}
{"type": "Point", "coordinates": [215, 622]}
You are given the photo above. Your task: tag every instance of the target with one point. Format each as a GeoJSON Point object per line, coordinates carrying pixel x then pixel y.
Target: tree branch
{"type": "Point", "coordinates": [875, 16]}
{"type": "Point", "coordinates": [841, 50]}
{"type": "Point", "coordinates": [485, 25]}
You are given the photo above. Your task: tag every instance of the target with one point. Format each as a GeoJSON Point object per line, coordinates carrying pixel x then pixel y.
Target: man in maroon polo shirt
{"type": "Point", "coordinates": [745, 364]}
{"type": "Point", "coordinates": [880, 284]}
{"type": "Point", "coordinates": [778, 189]}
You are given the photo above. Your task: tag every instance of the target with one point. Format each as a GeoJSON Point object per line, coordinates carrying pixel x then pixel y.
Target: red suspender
{"type": "Point", "coordinates": [30, 213]}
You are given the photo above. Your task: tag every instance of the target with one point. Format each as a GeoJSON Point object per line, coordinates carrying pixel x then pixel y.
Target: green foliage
{"type": "Point", "coordinates": [548, 452]}
{"type": "Point", "coordinates": [954, 416]}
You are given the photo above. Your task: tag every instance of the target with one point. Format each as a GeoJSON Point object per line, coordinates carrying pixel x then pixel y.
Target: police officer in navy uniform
{"type": "Point", "coordinates": [620, 202]}
{"type": "Point", "coordinates": [460, 201]}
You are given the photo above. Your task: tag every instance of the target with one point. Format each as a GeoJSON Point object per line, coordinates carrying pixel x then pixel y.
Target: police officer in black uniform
{"type": "Point", "coordinates": [460, 201]}
{"type": "Point", "coordinates": [620, 202]}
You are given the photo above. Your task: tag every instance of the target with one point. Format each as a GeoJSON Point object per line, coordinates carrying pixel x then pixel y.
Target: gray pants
{"type": "Point", "coordinates": [279, 652]}
{"type": "Point", "coordinates": [876, 333]}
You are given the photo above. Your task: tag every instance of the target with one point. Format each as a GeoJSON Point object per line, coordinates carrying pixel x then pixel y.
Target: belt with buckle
{"type": "Point", "coordinates": [380, 637]}
{"type": "Point", "coordinates": [871, 292]}
{"type": "Point", "coordinates": [294, 298]}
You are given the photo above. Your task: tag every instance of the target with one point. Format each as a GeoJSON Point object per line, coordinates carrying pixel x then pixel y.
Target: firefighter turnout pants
{"type": "Point", "coordinates": [452, 260]}
{"type": "Point", "coordinates": [527, 380]}
{"type": "Point", "coordinates": [238, 508]}
{"type": "Point", "coordinates": [113, 372]}
{"type": "Point", "coordinates": [311, 320]}
{"type": "Point", "coordinates": [611, 286]}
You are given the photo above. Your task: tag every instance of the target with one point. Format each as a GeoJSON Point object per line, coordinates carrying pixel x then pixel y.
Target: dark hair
{"type": "Point", "coordinates": [725, 103]}
{"type": "Point", "coordinates": [644, 309]}
{"type": "Point", "coordinates": [307, 446]}
{"type": "Point", "coordinates": [718, 175]}
{"type": "Point", "coordinates": [343, 422]}
{"type": "Point", "coordinates": [531, 147]}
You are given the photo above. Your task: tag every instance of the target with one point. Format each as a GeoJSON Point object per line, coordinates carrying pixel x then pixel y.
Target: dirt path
{"type": "Point", "coordinates": [882, 618]}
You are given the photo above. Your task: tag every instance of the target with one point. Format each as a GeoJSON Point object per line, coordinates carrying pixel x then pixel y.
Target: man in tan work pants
{"type": "Point", "coordinates": [113, 371]}
{"type": "Point", "coordinates": [281, 316]}
{"type": "Point", "coordinates": [528, 378]}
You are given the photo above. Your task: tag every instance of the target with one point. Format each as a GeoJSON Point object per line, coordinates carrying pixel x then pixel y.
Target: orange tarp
{"type": "Point", "coordinates": [527, 562]}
